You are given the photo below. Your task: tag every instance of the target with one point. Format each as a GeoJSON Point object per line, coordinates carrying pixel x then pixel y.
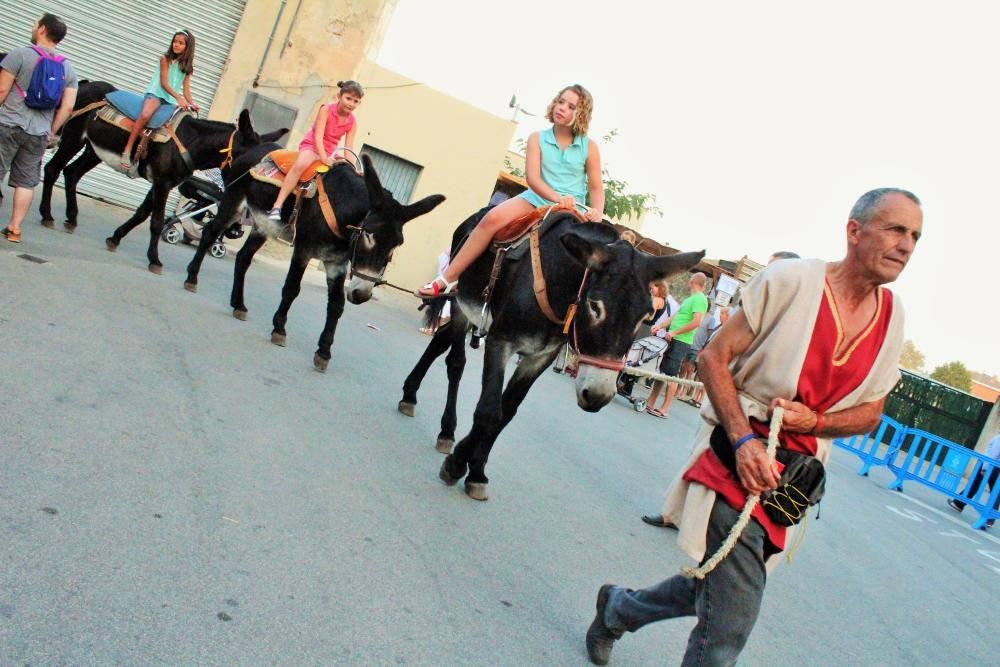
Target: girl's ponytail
{"type": "Point", "coordinates": [352, 87]}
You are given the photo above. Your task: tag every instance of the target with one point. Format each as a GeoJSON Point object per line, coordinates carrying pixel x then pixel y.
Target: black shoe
{"type": "Point", "coordinates": [657, 520]}
{"type": "Point", "coordinates": [952, 503]}
{"type": "Point", "coordinates": [601, 638]}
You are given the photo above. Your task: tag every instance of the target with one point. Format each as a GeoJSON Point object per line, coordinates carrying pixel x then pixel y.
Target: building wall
{"type": "Point", "coordinates": [985, 392]}
{"type": "Point", "coordinates": [315, 44]}
{"type": "Point", "coordinates": [461, 149]}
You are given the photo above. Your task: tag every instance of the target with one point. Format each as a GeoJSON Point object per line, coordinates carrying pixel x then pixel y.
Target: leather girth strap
{"type": "Point", "coordinates": [541, 292]}
{"type": "Point", "coordinates": [87, 109]}
{"type": "Point", "coordinates": [327, 208]}
{"type": "Point", "coordinates": [188, 162]}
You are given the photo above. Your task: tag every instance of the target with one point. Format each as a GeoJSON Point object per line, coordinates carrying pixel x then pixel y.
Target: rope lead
{"type": "Point", "coordinates": [741, 523]}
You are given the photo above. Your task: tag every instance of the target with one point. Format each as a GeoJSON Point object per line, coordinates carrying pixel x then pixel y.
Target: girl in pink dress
{"type": "Point", "coordinates": [334, 125]}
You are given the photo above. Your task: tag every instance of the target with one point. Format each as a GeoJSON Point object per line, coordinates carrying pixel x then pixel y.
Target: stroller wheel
{"type": "Point", "coordinates": [218, 250]}
{"type": "Point", "coordinates": [171, 234]}
{"type": "Point", "coordinates": [639, 405]}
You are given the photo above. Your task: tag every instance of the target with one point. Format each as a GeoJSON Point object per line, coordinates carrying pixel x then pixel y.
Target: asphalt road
{"type": "Point", "coordinates": [176, 490]}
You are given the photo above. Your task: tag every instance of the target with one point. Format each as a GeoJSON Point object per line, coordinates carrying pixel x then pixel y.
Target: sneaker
{"type": "Point", "coordinates": [601, 638]}
{"type": "Point", "coordinates": [989, 523]}
{"type": "Point", "coordinates": [274, 215]}
{"type": "Point", "coordinates": [952, 503]}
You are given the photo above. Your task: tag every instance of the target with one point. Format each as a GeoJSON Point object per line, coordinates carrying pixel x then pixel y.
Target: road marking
{"type": "Point", "coordinates": [950, 518]}
{"type": "Point", "coordinates": [955, 533]}
{"type": "Point", "coordinates": [911, 515]}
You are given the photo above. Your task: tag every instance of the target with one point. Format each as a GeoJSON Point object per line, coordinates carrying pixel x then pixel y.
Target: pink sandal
{"type": "Point", "coordinates": [433, 289]}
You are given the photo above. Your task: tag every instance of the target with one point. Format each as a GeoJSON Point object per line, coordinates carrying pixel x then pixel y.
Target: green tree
{"type": "Point", "coordinates": [619, 203]}
{"type": "Point", "coordinates": [911, 358]}
{"type": "Point", "coordinates": [954, 374]}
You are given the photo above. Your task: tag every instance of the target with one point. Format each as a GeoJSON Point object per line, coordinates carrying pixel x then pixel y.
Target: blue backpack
{"type": "Point", "coordinates": [47, 82]}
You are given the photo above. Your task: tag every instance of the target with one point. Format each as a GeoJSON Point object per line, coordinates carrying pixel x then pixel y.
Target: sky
{"type": "Point", "coordinates": [757, 125]}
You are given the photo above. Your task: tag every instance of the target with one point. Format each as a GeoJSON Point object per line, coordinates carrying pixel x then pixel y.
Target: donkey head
{"type": "Point", "coordinates": [379, 234]}
{"type": "Point", "coordinates": [614, 302]}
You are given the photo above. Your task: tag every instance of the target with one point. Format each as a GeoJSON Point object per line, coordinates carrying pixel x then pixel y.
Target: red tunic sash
{"type": "Point", "coordinates": [824, 380]}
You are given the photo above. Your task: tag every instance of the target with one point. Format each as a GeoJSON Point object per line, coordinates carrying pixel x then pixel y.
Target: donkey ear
{"type": "Point", "coordinates": [425, 205]}
{"type": "Point", "coordinates": [268, 137]}
{"type": "Point", "coordinates": [657, 268]}
{"type": "Point", "coordinates": [594, 256]}
{"type": "Point", "coordinates": [375, 191]}
{"type": "Point", "coordinates": [245, 126]}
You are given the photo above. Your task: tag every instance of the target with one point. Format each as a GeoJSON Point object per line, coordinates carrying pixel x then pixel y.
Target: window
{"type": "Point", "coordinates": [268, 115]}
{"type": "Point", "coordinates": [397, 175]}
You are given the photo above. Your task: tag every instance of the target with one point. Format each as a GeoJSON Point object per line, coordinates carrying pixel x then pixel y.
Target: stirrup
{"type": "Point", "coordinates": [432, 291]}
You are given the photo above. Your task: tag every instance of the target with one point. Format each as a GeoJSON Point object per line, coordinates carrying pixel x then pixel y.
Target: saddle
{"type": "Point", "coordinates": [110, 111]}
{"type": "Point", "coordinates": [129, 104]}
{"type": "Point", "coordinates": [273, 167]}
{"type": "Point", "coordinates": [519, 228]}
{"type": "Point", "coordinates": [509, 244]}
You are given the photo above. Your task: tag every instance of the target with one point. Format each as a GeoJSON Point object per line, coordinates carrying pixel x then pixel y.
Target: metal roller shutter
{"type": "Point", "coordinates": [120, 41]}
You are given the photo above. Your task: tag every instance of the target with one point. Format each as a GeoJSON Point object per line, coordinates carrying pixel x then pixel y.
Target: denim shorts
{"type": "Point", "coordinates": [21, 156]}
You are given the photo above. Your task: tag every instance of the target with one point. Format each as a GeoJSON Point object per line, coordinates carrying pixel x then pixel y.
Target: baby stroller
{"type": "Point", "coordinates": [203, 194]}
{"type": "Point", "coordinates": [642, 352]}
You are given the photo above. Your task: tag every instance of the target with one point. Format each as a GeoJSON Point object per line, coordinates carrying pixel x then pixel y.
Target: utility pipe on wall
{"type": "Point", "coordinates": [274, 29]}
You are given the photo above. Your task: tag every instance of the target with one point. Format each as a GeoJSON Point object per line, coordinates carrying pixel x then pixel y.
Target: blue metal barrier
{"type": "Point", "coordinates": [939, 464]}
{"type": "Point", "coordinates": [866, 446]}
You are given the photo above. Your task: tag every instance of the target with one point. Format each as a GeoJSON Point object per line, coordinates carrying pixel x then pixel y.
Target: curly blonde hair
{"type": "Point", "coordinates": [585, 108]}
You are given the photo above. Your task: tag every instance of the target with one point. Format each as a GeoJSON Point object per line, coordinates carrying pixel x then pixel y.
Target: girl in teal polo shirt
{"type": "Point", "coordinates": [171, 83]}
{"type": "Point", "coordinates": [562, 165]}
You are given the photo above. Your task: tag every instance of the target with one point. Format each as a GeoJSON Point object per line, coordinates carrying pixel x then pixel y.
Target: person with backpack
{"type": "Point", "coordinates": [37, 94]}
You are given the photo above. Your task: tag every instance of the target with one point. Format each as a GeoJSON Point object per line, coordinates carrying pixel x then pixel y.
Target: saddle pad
{"type": "Point", "coordinates": [111, 115]}
{"type": "Point", "coordinates": [519, 246]}
{"type": "Point", "coordinates": [284, 159]}
{"type": "Point", "coordinates": [267, 171]}
{"type": "Point", "coordinates": [130, 104]}
{"type": "Point", "coordinates": [520, 226]}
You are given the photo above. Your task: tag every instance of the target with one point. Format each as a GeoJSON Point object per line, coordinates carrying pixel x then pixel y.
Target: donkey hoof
{"type": "Point", "coordinates": [111, 244]}
{"type": "Point", "coordinates": [477, 491]}
{"type": "Point", "coordinates": [445, 476]}
{"type": "Point", "coordinates": [240, 314]}
{"type": "Point", "coordinates": [69, 227]}
{"type": "Point", "coordinates": [48, 223]}
{"type": "Point", "coordinates": [444, 445]}
{"type": "Point", "coordinates": [408, 409]}
{"type": "Point", "coordinates": [156, 268]}
{"type": "Point", "coordinates": [320, 363]}
{"type": "Point", "coordinates": [191, 287]}
{"type": "Point", "coordinates": [281, 340]}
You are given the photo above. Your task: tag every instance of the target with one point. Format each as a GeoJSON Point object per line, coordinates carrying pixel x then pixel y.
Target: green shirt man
{"type": "Point", "coordinates": [696, 303]}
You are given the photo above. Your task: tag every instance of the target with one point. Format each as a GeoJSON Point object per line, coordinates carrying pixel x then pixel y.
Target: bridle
{"type": "Point", "coordinates": [570, 327]}
{"type": "Point", "coordinates": [228, 150]}
{"type": "Point", "coordinates": [356, 232]}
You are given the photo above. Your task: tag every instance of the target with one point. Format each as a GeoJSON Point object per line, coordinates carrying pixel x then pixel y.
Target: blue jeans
{"type": "Point", "coordinates": [726, 602]}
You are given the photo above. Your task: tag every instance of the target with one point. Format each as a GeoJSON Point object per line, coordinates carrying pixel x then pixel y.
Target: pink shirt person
{"type": "Point", "coordinates": [335, 130]}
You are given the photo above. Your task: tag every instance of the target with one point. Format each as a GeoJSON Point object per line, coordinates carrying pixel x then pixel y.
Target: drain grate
{"type": "Point", "coordinates": [32, 258]}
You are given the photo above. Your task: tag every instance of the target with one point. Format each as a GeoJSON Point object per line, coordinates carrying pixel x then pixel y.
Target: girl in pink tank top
{"type": "Point", "coordinates": [335, 126]}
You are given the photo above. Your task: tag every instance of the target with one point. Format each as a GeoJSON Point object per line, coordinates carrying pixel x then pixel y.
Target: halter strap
{"type": "Point", "coordinates": [228, 150]}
